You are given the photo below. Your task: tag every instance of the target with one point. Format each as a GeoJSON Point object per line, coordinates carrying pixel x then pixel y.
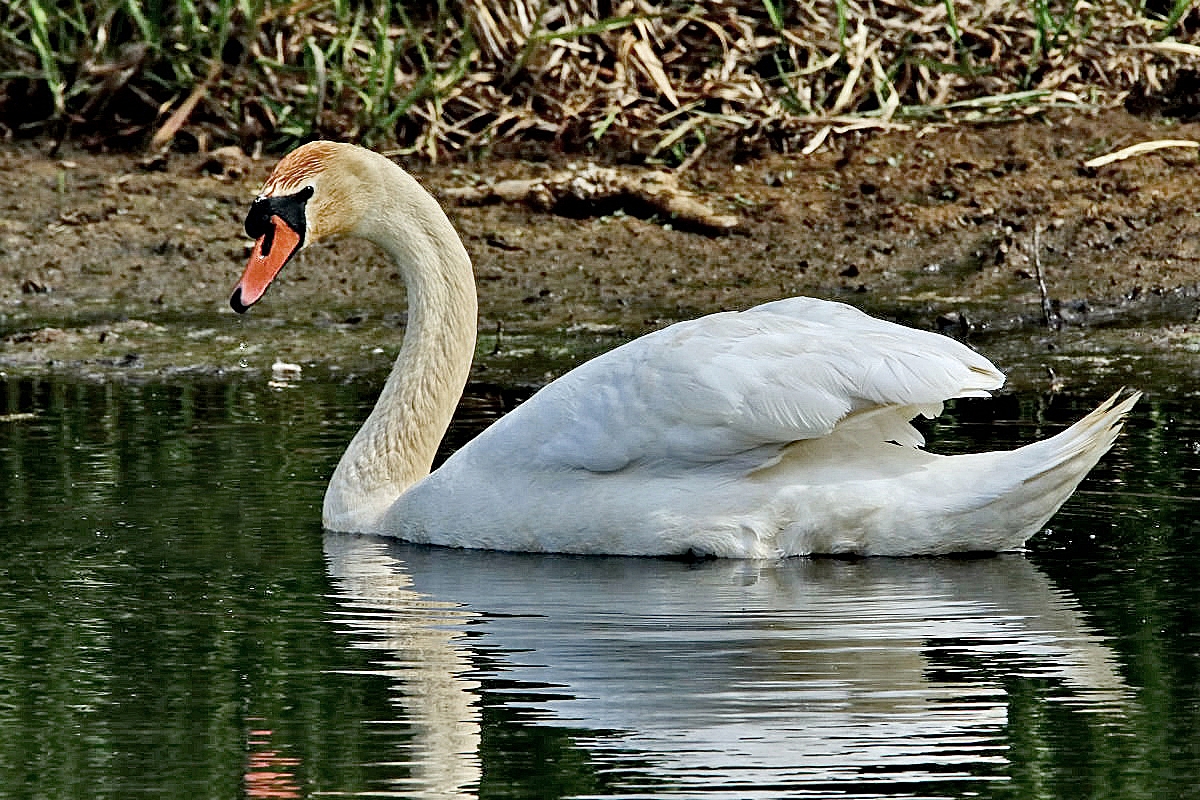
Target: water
{"type": "Point", "coordinates": [173, 623]}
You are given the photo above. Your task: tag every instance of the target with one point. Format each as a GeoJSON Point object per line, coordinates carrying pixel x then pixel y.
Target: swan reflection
{"type": "Point", "coordinates": [419, 640]}
{"type": "Point", "coordinates": [798, 675]}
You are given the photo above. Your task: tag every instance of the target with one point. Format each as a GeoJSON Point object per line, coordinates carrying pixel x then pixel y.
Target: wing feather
{"type": "Point", "coordinates": [700, 392]}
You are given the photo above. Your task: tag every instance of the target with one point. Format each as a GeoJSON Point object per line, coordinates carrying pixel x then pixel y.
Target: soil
{"type": "Point", "coordinates": [116, 268]}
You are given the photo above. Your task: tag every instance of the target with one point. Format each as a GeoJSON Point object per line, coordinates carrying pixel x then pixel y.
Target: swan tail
{"type": "Point", "coordinates": [1076, 450]}
{"type": "Point", "coordinates": [1041, 476]}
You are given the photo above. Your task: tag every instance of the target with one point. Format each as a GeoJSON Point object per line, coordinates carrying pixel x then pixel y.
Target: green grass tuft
{"type": "Point", "coordinates": [658, 79]}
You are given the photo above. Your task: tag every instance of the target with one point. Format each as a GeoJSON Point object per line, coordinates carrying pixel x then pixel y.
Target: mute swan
{"type": "Point", "coordinates": [781, 430]}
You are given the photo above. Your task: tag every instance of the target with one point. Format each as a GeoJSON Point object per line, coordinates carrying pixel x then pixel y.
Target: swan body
{"type": "Point", "coordinates": [781, 430]}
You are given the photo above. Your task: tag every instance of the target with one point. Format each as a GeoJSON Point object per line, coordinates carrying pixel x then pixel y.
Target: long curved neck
{"type": "Point", "coordinates": [396, 445]}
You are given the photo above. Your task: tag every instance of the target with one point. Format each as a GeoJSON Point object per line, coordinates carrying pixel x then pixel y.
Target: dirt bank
{"type": "Point", "coordinates": [109, 268]}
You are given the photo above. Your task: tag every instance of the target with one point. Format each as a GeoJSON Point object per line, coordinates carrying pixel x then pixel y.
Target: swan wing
{"type": "Point", "coordinates": [730, 384]}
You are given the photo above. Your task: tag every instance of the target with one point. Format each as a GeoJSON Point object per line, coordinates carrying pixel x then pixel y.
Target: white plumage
{"type": "Point", "coordinates": [781, 430]}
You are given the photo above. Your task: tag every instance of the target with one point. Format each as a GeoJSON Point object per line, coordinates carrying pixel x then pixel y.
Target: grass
{"type": "Point", "coordinates": [644, 79]}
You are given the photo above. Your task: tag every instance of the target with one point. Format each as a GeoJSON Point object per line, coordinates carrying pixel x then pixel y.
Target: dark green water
{"type": "Point", "coordinates": [174, 624]}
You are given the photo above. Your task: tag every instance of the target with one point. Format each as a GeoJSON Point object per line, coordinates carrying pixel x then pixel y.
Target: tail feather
{"type": "Point", "coordinates": [1088, 439]}
{"type": "Point", "coordinates": [879, 499]}
{"type": "Point", "coordinates": [1052, 469]}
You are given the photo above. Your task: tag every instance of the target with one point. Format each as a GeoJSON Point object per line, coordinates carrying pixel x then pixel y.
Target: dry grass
{"type": "Point", "coordinates": [641, 79]}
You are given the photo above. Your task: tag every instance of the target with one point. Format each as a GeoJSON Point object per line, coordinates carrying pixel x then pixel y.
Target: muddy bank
{"type": "Point", "coordinates": [111, 269]}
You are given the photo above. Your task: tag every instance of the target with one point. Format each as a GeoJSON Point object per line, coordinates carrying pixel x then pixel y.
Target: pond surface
{"type": "Point", "coordinates": [173, 623]}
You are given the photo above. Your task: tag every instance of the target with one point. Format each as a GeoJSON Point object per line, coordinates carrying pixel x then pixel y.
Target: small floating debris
{"type": "Point", "coordinates": [284, 374]}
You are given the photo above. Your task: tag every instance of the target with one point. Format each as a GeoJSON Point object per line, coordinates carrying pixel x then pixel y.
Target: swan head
{"type": "Point", "coordinates": [317, 191]}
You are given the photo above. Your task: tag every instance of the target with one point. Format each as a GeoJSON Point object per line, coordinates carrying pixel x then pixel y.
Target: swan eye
{"type": "Point", "coordinates": [289, 208]}
{"type": "Point", "coordinates": [258, 220]}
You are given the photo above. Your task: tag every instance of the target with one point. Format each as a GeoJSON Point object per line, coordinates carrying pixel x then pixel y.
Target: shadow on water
{"type": "Point", "coordinates": [174, 622]}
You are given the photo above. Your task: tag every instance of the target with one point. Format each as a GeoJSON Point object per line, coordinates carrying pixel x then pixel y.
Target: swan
{"type": "Point", "coordinates": [777, 431]}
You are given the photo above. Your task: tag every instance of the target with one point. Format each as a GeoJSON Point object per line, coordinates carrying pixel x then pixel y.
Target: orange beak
{"type": "Point", "coordinates": [272, 250]}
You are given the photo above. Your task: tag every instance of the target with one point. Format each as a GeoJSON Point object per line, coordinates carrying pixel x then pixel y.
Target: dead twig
{"type": "Point", "coordinates": [179, 116]}
{"type": "Point", "coordinates": [1049, 315]}
{"type": "Point", "coordinates": [1137, 150]}
{"type": "Point", "coordinates": [595, 189]}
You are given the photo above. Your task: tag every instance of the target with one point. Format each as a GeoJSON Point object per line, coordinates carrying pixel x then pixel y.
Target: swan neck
{"type": "Point", "coordinates": [397, 444]}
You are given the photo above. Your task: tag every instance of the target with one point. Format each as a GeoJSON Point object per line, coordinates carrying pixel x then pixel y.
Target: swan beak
{"type": "Point", "coordinates": [271, 251]}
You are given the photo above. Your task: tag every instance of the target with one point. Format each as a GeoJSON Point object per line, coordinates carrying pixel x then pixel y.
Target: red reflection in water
{"type": "Point", "coordinates": [268, 773]}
